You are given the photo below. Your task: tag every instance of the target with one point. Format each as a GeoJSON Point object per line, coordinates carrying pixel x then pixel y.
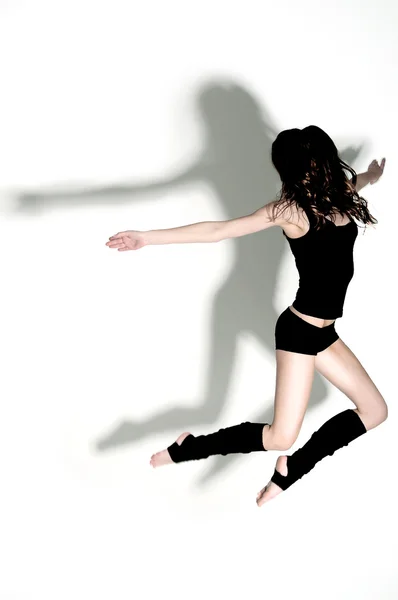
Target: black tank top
{"type": "Point", "coordinates": [324, 260]}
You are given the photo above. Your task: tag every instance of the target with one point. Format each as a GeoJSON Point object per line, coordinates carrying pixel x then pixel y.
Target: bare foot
{"type": "Point", "coordinates": [271, 489]}
{"type": "Point", "coordinates": [163, 457]}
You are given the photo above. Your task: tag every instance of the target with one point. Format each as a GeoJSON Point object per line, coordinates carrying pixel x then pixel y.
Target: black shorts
{"type": "Point", "coordinates": [294, 334]}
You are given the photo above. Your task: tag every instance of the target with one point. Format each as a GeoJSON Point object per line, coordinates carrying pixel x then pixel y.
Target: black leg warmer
{"type": "Point", "coordinates": [339, 431]}
{"type": "Point", "coordinates": [244, 438]}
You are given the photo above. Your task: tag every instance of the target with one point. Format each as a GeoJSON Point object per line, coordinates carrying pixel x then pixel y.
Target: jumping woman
{"type": "Point", "coordinates": [318, 209]}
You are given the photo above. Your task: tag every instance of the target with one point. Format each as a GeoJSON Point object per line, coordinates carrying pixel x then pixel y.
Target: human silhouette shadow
{"type": "Point", "coordinates": [236, 162]}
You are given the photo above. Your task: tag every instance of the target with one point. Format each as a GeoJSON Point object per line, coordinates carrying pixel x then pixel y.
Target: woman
{"type": "Point", "coordinates": [317, 210]}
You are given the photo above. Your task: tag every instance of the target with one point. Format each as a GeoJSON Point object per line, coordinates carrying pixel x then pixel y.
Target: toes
{"type": "Point", "coordinates": [261, 494]}
{"type": "Point", "coordinates": [262, 499]}
{"type": "Point", "coordinates": [259, 501]}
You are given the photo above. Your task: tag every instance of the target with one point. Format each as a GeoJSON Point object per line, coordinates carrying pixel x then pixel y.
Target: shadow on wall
{"type": "Point", "coordinates": [236, 162]}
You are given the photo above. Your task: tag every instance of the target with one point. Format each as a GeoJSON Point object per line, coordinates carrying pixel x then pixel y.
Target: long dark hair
{"type": "Point", "coordinates": [314, 177]}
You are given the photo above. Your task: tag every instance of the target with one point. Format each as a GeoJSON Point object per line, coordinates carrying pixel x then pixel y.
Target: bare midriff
{"type": "Point", "coordinates": [312, 320]}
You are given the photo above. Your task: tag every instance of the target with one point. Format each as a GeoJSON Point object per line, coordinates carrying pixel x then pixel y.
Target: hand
{"type": "Point", "coordinates": [375, 170]}
{"type": "Point", "coordinates": [127, 240]}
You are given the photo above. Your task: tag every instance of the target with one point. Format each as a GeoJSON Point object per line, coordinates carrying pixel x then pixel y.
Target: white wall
{"type": "Point", "coordinates": [170, 109]}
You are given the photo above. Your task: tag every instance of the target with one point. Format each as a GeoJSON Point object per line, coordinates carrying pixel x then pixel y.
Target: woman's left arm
{"type": "Point", "coordinates": [373, 174]}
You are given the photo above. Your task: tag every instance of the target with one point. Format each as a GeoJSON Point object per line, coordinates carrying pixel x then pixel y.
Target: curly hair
{"type": "Point", "coordinates": [314, 178]}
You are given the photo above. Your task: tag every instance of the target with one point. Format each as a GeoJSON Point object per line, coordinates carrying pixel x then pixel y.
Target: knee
{"type": "Point", "coordinates": [281, 439]}
{"type": "Point", "coordinates": [382, 412]}
{"type": "Point", "coordinates": [377, 416]}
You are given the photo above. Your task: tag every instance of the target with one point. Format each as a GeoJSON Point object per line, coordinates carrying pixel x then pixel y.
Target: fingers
{"type": "Point", "coordinates": [376, 170]}
{"type": "Point", "coordinates": [115, 244]}
{"type": "Point", "coordinates": [119, 235]}
{"type": "Point", "coordinates": [119, 245]}
{"type": "Point", "coordinates": [118, 241]}
{"type": "Point", "coordinates": [375, 163]}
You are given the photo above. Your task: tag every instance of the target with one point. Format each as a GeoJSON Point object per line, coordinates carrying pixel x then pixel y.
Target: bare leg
{"type": "Point", "coordinates": [342, 368]}
{"type": "Point", "coordinates": [295, 373]}
{"type": "Point", "coordinates": [294, 377]}
{"type": "Point", "coordinates": [339, 365]}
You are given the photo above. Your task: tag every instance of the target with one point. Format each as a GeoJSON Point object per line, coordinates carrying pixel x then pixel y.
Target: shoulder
{"type": "Point", "coordinates": [277, 213]}
{"type": "Point", "coordinates": [290, 217]}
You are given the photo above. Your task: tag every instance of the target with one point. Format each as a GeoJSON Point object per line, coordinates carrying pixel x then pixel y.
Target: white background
{"type": "Point", "coordinates": [143, 115]}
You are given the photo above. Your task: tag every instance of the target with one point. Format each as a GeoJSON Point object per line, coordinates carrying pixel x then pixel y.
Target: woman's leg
{"type": "Point", "coordinates": [340, 366]}
{"type": "Point", "coordinates": [294, 377]}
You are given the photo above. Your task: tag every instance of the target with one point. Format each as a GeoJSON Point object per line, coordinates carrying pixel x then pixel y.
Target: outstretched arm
{"type": "Point", "coordinates": [373, 174]}
{"type": "Point", "coordinates": [207, 231]}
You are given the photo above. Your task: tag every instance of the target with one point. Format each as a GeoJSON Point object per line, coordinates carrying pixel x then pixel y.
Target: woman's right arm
{"type": "Point", "coordinates": [206, 231]}
{"type": "Point", "coordinates": [203, 232]}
